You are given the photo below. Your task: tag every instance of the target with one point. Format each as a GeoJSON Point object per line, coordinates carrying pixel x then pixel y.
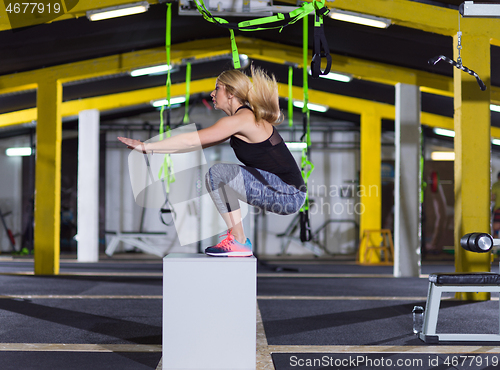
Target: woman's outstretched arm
{"type": "Point", "coordinates": [189, 141]}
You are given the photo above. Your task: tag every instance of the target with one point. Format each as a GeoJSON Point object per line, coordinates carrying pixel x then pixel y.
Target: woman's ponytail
{"type": "Point", "coordinates": [263, 97]}
{"type": "Point", "coordinates": [261, 94]}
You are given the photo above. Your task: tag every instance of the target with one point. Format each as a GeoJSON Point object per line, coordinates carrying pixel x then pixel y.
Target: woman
{"type": "Point", "coordinates": [270, 178]}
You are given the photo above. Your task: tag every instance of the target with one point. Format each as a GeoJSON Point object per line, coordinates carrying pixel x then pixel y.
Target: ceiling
{"type": "Point", "coordinates": [73, 40]}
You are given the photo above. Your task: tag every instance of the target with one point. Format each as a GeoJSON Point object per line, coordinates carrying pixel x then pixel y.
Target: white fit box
{"type": "Point", "coordinates": [209, 312]}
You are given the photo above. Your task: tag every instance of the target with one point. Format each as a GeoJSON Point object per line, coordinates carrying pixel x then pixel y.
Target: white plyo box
{"type": "Point", "coordinates": [209, 312]}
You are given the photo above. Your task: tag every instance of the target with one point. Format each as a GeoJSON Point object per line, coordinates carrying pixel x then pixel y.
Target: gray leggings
{"type": "Point", "coordinates": [229, 183]}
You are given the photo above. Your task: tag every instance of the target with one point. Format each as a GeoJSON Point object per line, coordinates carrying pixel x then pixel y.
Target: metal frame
{"type": "Point", "coordinates": [143, 241]}
{"type": "Point", "coordinates": [429, 335]}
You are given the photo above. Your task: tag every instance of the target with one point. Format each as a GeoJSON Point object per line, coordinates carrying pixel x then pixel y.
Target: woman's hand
{"type": "Point", "coordinates": [133, 144]}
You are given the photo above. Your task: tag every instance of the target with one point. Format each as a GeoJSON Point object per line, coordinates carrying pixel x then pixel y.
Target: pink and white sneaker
{"type": "Point", "coordinates": [230, 247]}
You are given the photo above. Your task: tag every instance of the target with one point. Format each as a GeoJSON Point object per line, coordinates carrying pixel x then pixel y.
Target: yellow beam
{"type": "Point", "coordinates": [258, 49]}
{"type": "Point", "coordinates": [48, 179]}
{"type": "Point", "coordinates": [18, 117]}
{"type": "Point", "coordinates": [115, 64]}
{"type": "Point", "coordinates": [472, 157]}
{"type": "Point", "coordinates": [412, 14]}
{"type": "Point", "coordinates": [143, 96]}
{"type": "Point", "coordinates": [428, 18]}
{"type": "Point", "coordinates": [370, 181]}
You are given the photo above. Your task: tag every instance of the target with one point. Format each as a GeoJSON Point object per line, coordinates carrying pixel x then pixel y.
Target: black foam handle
{"type": "Point", "coordinates": [477, 242]}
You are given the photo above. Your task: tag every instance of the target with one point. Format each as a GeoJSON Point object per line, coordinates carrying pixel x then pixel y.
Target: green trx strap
{"type": "Point", "coordinates": [305, 82]}
{"type": "Point", "coordinates": [306, 165]}
{"type": "Point", "coordinates": [320, 46]}
{"type": "Point", "coordinates": [166, 172]}
{"type": "Point", "coordinates": [234, 51]}
{"type": "Point", "coordinates": [279, 21]}
{"type": "Point", "coordinates": [188, 93]}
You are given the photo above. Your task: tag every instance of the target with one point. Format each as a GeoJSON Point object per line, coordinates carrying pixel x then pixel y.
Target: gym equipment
{"type": "Point", "coordinates": [148, 242]}
{"type": "Point", "coordinates": [209, 312]}
{"type": "Point", "coordinates": [279, 21]}
{"type": "Point", "coordinates": [460, 282]}
{"type": "Point", "coordinates": [306, 165]}
{"type": "Point", "coordinates": [434, 181]}
{"type": "Point", "coordinates": [477, 242]}
{"type": "Point", "coordinates": [374, 245]}
{"type": "Point", "coordinates": [458, 64]}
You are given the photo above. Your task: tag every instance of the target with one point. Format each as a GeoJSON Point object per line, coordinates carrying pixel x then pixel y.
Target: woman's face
{"type": "Point", "coordinates": [219, 97]}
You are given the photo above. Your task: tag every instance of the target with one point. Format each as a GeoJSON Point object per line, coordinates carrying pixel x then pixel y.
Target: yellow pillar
{"type": "Point", "coordinates": [48, 178]}
{"type": "Point", "coordinates": [370, 181]}
{"type": "Point", "coordinates": [472, 152]}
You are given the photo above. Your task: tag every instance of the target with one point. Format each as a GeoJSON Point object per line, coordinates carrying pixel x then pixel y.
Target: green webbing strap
{"type": "Point", "coordinates": [305, 82]}
{"type": "Point", "coordinates": [188, 93]}
{"type": "Point", "coordinates": [166, 169]}
{"type": "Point", "coordinates": [258, 24]}
{"type": "Point", "coordinates": [280, 20]}
{"type": "Point", "coordinates": [234, 51]}
{"type": "Point", "coordinates": [305, 162]}
{"type": "Point", "coordinates": [290, 96]}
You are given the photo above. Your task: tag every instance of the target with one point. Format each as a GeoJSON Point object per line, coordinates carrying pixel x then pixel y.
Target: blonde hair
{"type": "Point", "coordinates": [260, 93]}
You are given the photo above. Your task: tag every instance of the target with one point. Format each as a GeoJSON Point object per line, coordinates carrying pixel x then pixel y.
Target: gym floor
{"type": "Point", "coordinates": [314, 314]}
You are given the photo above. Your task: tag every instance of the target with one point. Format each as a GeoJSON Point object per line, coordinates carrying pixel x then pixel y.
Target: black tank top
{"type": "Point", "coordinates": [271, 155]}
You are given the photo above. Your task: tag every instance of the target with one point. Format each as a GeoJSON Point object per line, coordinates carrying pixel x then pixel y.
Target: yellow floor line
{"type": "Point", "coordinates": [63, 347]}
{"type": "Point", "coordinates": [385, 349]}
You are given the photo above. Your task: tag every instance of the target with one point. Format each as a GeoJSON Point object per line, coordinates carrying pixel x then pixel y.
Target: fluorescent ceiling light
{"type": "Point", "coordinates": [495, 141]}
{"type": "Point", "coordinates": [364, 19]}
{"type": "Point", "coordinates": [444, 132]}
{"type": "Point", "coordinates": [118, 11]}
{"type": "Point", "coordinates": [443, 156]}
{"type": "Point", "coordinates": [176, 100]}
{"type": "Point", "coordinates": [335, 76]}
{"type": "Point", "coordinates": [151, 70]}
{"type": "Point", "coordinates": [296, 146]}
{"type": "Point", "coordinates": [314, 107]}
{"type": "Point", "coordinates": [18, 152]}
{"type": "Point", "coordinates": [495, 108]}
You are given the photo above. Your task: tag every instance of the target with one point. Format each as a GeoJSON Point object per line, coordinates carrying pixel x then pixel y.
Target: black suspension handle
{"type": "Point", "coordinates": [438, 58]}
